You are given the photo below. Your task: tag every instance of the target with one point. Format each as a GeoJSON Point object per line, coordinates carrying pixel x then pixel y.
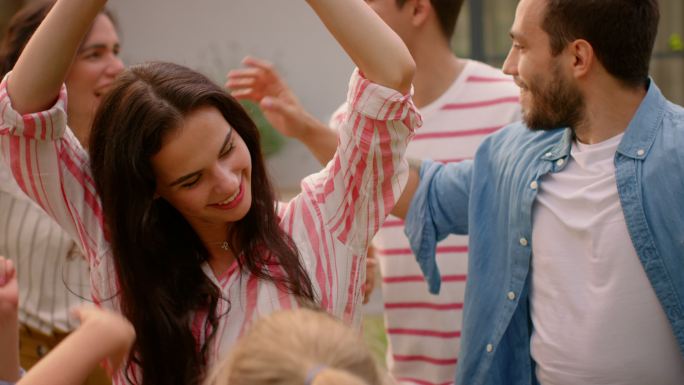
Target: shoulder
{"type": "Point", "coordinates": [516, 140]}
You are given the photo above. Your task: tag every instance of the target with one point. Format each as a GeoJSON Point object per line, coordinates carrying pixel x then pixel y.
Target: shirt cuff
{"type": "Point", "coordinates": [43, 125]}
{"type": "Point", "coordinates": [376, 101]}
{"type": "Point", "coordinates": [420, 230]}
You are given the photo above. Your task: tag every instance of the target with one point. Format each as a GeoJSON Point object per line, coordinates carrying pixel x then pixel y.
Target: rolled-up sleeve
{"type": "Point", "coordinates": [439, 207]}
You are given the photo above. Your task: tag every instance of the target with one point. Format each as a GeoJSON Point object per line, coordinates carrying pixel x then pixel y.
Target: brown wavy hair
{"type": "Point", "coordinates": [158, 256]}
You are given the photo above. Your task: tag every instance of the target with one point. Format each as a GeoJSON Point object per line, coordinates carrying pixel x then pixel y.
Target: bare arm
{"type": "Point", "coordinates": [9, 327]}
{"type": "Point", "coordinates": [402, 207]}
{"type": "Point", "coordinates": [40, 70]}
{"type": "Point", "coordinates": [102, 336]}
{"type": "Point", "coordinates": [377, 50]}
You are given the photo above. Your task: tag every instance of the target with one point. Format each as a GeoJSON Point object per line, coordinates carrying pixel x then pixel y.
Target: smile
{"type": "Point", "coordinates": [232, 200]}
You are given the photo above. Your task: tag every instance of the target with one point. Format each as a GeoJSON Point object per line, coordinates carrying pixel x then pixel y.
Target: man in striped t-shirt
{"type": "Point", "coordinates": [461, 102]}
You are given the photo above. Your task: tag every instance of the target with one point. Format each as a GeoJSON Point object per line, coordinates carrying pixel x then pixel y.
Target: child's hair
{"type": "Point", "coordinates": [299, 347]}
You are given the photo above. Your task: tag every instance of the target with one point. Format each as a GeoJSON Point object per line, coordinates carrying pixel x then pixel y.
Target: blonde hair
{"type": "Point", "coordinates": [289, 346]}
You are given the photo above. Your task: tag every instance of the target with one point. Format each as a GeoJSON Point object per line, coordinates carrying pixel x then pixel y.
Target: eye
{"type": "Point", "coordinates": [228, 150]}
{"type": "Point", "coordinates": [191, 184]}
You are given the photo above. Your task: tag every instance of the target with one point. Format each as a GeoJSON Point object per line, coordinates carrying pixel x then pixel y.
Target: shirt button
{"type": "Point", "coordinates": [641, 152]}
{"type": "Point", "coordinates": [511, 295]}
{"type": "Point", "coordinates": [490, 348]}
{"type": "Point", "coordinates": [560, 162]}
{"type": "Point", "coordinates": [523, 241]}
{"type": "Point", "coordinates": [534, 185]}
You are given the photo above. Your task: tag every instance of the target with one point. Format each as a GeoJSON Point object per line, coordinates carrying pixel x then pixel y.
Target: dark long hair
{"type": "Point", "coordinates": [22, 26]}
{"type": "Point", "coordinates": [157, 254]}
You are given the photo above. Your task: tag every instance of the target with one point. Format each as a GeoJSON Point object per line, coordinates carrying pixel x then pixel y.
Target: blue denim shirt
{"type": "Point", "coordinates": [491, 199]}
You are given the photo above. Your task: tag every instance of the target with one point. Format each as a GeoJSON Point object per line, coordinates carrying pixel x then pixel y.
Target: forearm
{"type": "Point", "coordinates": [73, 359]}
{"type": "Point", "coordinates": [377, 50]}
{"type": "Point", "coordinates": [49, 53]}
{"type": "Point", "coordinates": [320, 139]}
{"type": "Point", "coordinates": [403, 204]}
{"type": "Point", "coordinates": [9, 345]}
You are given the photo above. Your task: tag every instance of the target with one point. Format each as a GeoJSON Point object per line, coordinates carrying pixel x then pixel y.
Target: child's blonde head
{"type": "Point", "coordinates": [299, 347]}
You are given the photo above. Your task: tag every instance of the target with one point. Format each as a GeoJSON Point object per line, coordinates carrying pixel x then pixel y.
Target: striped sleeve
{"type": "Point", "coordinates": [341, 208]}
{"type": "Point", "coordinates": [50, 166]}
{"type": "Point", "coordinates": [358, 188]}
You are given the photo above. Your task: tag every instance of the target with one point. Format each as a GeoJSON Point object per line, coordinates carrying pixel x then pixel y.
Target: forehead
{"type": "Point", "coordinates": [529, 16]}
{"type": "Point", "coordinates": [193, 145]}
{"type": "Point", "coordinates": [102, 30]}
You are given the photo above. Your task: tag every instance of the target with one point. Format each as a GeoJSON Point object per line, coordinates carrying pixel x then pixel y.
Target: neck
{"type": "Point", "coordinates": [213, 238]}
{"type": "Point", "coordinates": [80, 125]}
{"type": "Point", "coordinates": [436, 70]}
{"type": "Point", "coordinates": [610, 106]}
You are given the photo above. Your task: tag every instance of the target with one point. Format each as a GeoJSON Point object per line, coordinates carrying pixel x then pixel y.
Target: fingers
{"type": "Point", "coordinates": [250, 61]}
{"type": "Point", "coordinates": [6, 271]}
{"type": "Point", "coordinates": [241, 73]}
{"type": "Point", "coordinates": [84, 312]}
{"type": "Point", "coordinates": [240, 83]}
{"type": "Point", "coordinates": [369, 285]}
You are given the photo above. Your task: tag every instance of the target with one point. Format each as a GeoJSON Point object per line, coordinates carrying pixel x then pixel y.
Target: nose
{"type": "Point", "coordinates": [115, 66]}
{"type": "Point", "coordinates": [226, 181]}
{"type": "Point", "coordinates": [510, 66]}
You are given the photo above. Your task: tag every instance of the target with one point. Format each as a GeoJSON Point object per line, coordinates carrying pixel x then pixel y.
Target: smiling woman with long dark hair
{"type": "Point", "coordinates": [173, 206]}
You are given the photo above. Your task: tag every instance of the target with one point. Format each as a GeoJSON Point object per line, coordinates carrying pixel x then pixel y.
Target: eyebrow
{"type": "Point", "coordinates": [195, 173]}
{"type": "Point", "coordinates": [96, 46]}
{"type": "Point", "coordinates": [516, 36]}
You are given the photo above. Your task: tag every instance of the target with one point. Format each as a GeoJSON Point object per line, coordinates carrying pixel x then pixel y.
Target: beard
{"type": "Point", "coordinates": [558, 103]}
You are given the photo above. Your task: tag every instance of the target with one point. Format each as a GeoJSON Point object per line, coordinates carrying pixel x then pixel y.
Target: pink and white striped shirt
{"type": "Point", "coordinates": [424, 330]}
{"type": "Point", "coordinates": [332, 221]}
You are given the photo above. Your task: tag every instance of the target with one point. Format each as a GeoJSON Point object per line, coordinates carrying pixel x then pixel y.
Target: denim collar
{"type": "Point", "coordinates": [640, 132]}
{"type": "Point", "coordinates": [643, 128]}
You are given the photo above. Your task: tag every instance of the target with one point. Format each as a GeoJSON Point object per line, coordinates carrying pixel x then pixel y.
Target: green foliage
{"type": "Point", "coordinates": [271, 140]}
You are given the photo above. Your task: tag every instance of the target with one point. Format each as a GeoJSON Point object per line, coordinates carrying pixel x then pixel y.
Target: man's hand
{"type": "Point", "coordinates": [9, 291]}
{"type": "Point", "coordinates": [261, 83]}
{"type": "Point", "coordinates": [371, 269]}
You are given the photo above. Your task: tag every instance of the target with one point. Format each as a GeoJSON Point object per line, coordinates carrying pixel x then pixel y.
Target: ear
{"type": "Point", "coordinates": [582, 57]}
{"type": "Point", "coordinates": [421, 10]}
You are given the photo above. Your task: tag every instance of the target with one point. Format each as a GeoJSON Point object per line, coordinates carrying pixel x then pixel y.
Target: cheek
{"type": "Point", "coordinates": [186, 202]}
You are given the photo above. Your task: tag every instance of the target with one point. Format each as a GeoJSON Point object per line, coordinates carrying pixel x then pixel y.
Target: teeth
{"type": "Point", "coordinates": [231, 198]}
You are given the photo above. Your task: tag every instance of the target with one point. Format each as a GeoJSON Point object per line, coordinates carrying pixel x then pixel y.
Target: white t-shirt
{"type": "Point", "coordinates": [596, 317]}
{"type": "Point", "coordinates": [424, 330]}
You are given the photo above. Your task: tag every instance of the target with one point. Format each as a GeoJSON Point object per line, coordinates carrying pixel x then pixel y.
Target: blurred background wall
{"type": "Point", "coordinates": [212, 36]}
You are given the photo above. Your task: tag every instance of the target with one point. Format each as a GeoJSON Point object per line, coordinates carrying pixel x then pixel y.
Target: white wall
{"type": "Point", "coordinates": [212, 36]}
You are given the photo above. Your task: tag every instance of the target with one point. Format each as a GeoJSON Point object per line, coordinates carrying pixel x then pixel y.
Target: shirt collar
{"type": "Point", "coordinates": [640, 132]}
{"type": "Point", "coordinates": [642, 129]}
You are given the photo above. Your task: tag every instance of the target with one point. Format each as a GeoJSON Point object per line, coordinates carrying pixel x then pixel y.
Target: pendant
{"type": "Point", "coordinates": [225, 246]}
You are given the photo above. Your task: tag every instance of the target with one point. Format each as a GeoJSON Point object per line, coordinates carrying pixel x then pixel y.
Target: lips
{"type": "Point", "coordinates": [231, 201]}
{"type": "Point", "coordinates": [101, 91]}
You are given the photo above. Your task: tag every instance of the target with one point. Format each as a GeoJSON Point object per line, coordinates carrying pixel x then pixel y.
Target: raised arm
{"type": "Point", "coordinates": [35, 85]}
{"type": "Point", "coordinates": [377, 50]}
